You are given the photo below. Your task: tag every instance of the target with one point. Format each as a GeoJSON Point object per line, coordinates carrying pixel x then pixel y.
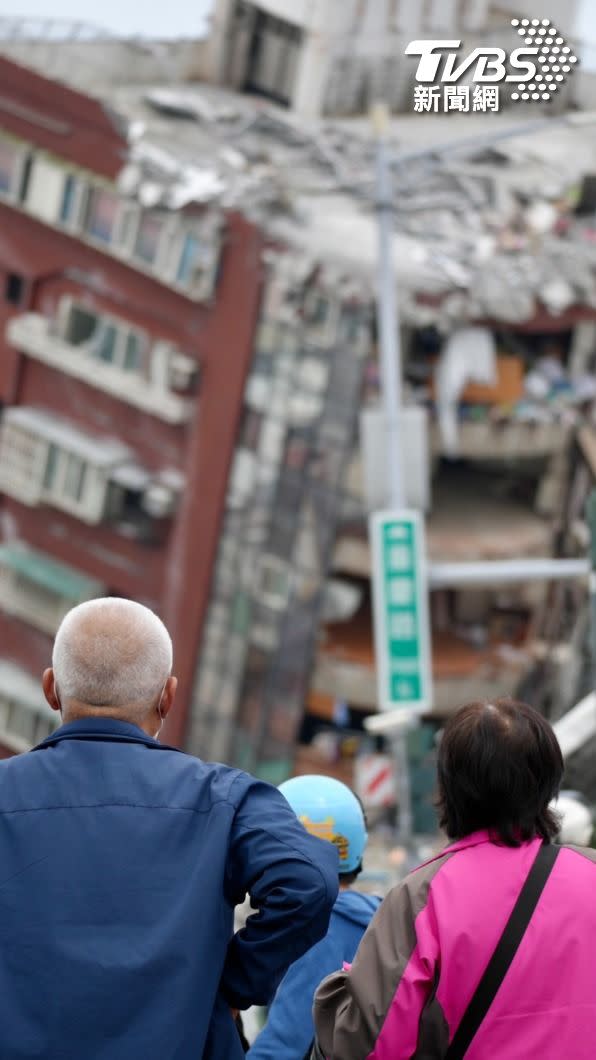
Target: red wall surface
{"type": "Point", "coordinates": [68, 123]}
{"type": "Point", "coordinates": [174, 577]}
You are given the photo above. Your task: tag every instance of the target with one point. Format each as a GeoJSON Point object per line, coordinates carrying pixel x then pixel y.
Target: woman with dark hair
{"type": "Point", "coordinates": [487, 951]}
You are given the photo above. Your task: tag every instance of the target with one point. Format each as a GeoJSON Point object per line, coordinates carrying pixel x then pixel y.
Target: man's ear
{"type": "Point", "coordinates": [169, 694]}
{"type": "Point", "coordinates": [48, 683]}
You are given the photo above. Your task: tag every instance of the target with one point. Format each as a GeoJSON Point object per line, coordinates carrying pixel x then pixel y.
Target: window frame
{"type": "Point", "coordinates": [124, 331]}
{"type": "Point", "coordinates": [201, 282]}
{"type": "Point", "coordinates": [164, 235]}
{"type": "Point", "coordinates": [24, 155]}
{"type": "Point", "coordinates": [33, 484]}
{"type": "Point", "coordinates": [271, 565]}
{"type": "Point", "coordinates": [23, 598]}
{"type": "Point", "coordinates": [55, 492]}
{"type": "Point", "coordinates": [125, 223]}
{"type": "Point", "coordinates": [76, 219]}
{"type": "Point", "coordinates": [28, 470]}
{"type": "Point", "coordinates": [321, 333]}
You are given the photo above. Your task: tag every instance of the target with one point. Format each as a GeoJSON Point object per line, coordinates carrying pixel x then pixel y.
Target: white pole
{"type": "Point", "coordinates": [505, 572]}
{"type": "Point", "coordinates": [390, 364]}
{"type": "Point", "coordinates": [387, 312]}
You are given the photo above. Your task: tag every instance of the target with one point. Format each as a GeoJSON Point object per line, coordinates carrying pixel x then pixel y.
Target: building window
{"type": "Point", "coordinates": [132, 353]}
{"type": "Point", "coordinates": [193, 259]}
{"type": "Point", "coordinates": [110, 354]}
{"type": "Point", "coordinates": [312, 375]}
{"type": "Point", "coordinates": [127, 227]}
{"type": "Point", "coordinates": [126, 512]}
{"type": "Point", "coordinates": [153, 239]}
{"type": "Point", "coordinates": [321, 317]}
{"type": "Point", "coordinates": [148, 238]}
{"type": "Point", "coordinates": [251, 429]}
{"type": "Point", "coordinates": [298, 450]}
{"type": "Point", "coordinates": [44, 459]}
{"type": "Point", "coordinates": [80, 324]}
{"type": "Point", "coordinates": [38, 589]}
{"type": "Point", "coordinates": [73, 197]}
{"type": "Point", "coordinates": [103, 213]}
{"type": "Point", "coordinates": [242, 479]}
{"type": "Point", "coordinates": [189, 259]}
{"type": "Point", "coordinates": [25, 178]}
{"type": "Point", "coordinates": [272, 441]}
{"type": "Point", "coordinates": [68, 199]}
{"type": "Point", "coordinates": [272, 57]}
{"type": "Point", "coordinates": [355, 331]}
{"type": "Point", "coordinates": [15, 162]}
{"type": "Point", "coordinates": [74, 477]}
{"type": "Point", "coordinates": [14, 288]}
{"type": "Point", "coordinates": [9, 166]}
{"type": "Point", "coordinates": [20, 462]}
{"type": "Point", "coordinates": [103, 345]}
{"type": "Point", "coordinates": [106, 338]}
{"type": "Point", "coordinates": [274, 583]}
{"type": "Point", "coordinates": [49, 477]}
{"type": "Point", "coordinates": [64, 478]}
{"type": "Point", "coordinates": [50, 192]}
{"type": "Point", "coordinates": [240, 621]}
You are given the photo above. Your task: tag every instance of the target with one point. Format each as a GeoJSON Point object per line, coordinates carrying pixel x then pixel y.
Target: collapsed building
{"type": "Point", "coordinates": [188, 352]}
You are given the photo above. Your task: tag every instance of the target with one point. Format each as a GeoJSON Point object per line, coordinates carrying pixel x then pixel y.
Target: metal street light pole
{"type": "Point", "coordinates": [387, 312]}
{"type": "Point", "coordinates": [389, 345]}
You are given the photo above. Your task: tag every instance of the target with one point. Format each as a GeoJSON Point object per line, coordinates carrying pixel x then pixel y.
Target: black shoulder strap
{"type": "Point", "coordinates": [505, 951]}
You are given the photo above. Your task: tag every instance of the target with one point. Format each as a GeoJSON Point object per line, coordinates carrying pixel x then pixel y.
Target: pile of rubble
{"type": "Point", "coordinates": [486, 231]}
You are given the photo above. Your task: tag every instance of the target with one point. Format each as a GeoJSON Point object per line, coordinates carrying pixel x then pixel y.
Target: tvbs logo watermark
{"type": "Point", "coordinates": [536, 71]}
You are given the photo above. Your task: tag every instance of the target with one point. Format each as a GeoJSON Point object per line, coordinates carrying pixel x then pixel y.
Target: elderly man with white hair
{"type": "Point", "coordinates": [121, 862]}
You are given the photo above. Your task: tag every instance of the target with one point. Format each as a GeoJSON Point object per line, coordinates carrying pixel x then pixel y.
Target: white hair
{"type": "Point", "coordinates": [111, 653]}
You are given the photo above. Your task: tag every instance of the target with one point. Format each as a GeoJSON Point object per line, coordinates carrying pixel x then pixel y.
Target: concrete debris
{"type": "Point", "coordinates": [157, 178]}
{"type": "Point", "coordinates": [180, 105]}
{"type": "Point", "coordinates": [490, 234]}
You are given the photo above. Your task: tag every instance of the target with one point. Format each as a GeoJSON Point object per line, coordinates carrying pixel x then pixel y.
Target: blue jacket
{"type": "Point", "coordinates": [120, 865]}
{"type": "Point", "coordinates": [289, 1030]}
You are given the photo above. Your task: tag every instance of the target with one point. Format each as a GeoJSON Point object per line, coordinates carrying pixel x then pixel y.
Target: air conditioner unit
{"type": "Point", "coordinates": [159, 501]}
{"type": "Point", "coordinates": [183, 373]}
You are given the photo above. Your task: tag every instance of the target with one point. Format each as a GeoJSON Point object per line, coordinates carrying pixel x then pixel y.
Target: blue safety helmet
{"type": "Point", "coordinates": [329, 810]}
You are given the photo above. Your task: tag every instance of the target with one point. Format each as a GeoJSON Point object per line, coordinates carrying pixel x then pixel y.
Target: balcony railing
{"type": "Point", "coordinates": [32, 334]}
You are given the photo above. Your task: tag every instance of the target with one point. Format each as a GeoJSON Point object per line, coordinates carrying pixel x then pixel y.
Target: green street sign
{"type": "Point", "coordinates": [400, 595]}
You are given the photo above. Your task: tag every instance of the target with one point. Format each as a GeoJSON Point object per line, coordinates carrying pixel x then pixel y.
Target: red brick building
{"type": "Point", "coordinates": [126, 332]}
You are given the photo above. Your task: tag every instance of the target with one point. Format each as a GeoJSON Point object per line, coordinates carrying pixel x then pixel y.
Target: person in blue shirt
{"type": "Point", "coordinates": [122, 861]}
{"type": "Point", "coordinates": [329, 810]}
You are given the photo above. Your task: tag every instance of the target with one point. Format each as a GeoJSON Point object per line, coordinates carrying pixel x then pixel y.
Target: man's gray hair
{"type": "Point", "coordinates": [111, 653]}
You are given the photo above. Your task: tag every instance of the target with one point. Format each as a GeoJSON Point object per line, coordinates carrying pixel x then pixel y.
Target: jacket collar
{"type": "Point", "coordinates": [96, 728]}
{"type": "Point", "coordinates": [473, 840]}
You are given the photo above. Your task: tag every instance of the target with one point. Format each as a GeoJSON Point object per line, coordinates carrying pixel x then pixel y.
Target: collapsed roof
{"type": "Point", "coordinates": [487, 231]}
{"type": "Point", "coordinates": [485, 223]}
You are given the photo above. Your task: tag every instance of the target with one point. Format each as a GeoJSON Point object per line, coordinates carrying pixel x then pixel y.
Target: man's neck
{"type": "Point", "coordinates": [130, 715]}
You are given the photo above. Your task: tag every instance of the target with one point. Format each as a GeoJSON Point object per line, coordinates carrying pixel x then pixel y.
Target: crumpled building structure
{"type": "Point", "coordinates": [483, 232]}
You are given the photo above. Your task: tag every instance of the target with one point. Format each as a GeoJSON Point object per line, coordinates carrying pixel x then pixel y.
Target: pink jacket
{"type": "Point", "coordinates": [428, 945]}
